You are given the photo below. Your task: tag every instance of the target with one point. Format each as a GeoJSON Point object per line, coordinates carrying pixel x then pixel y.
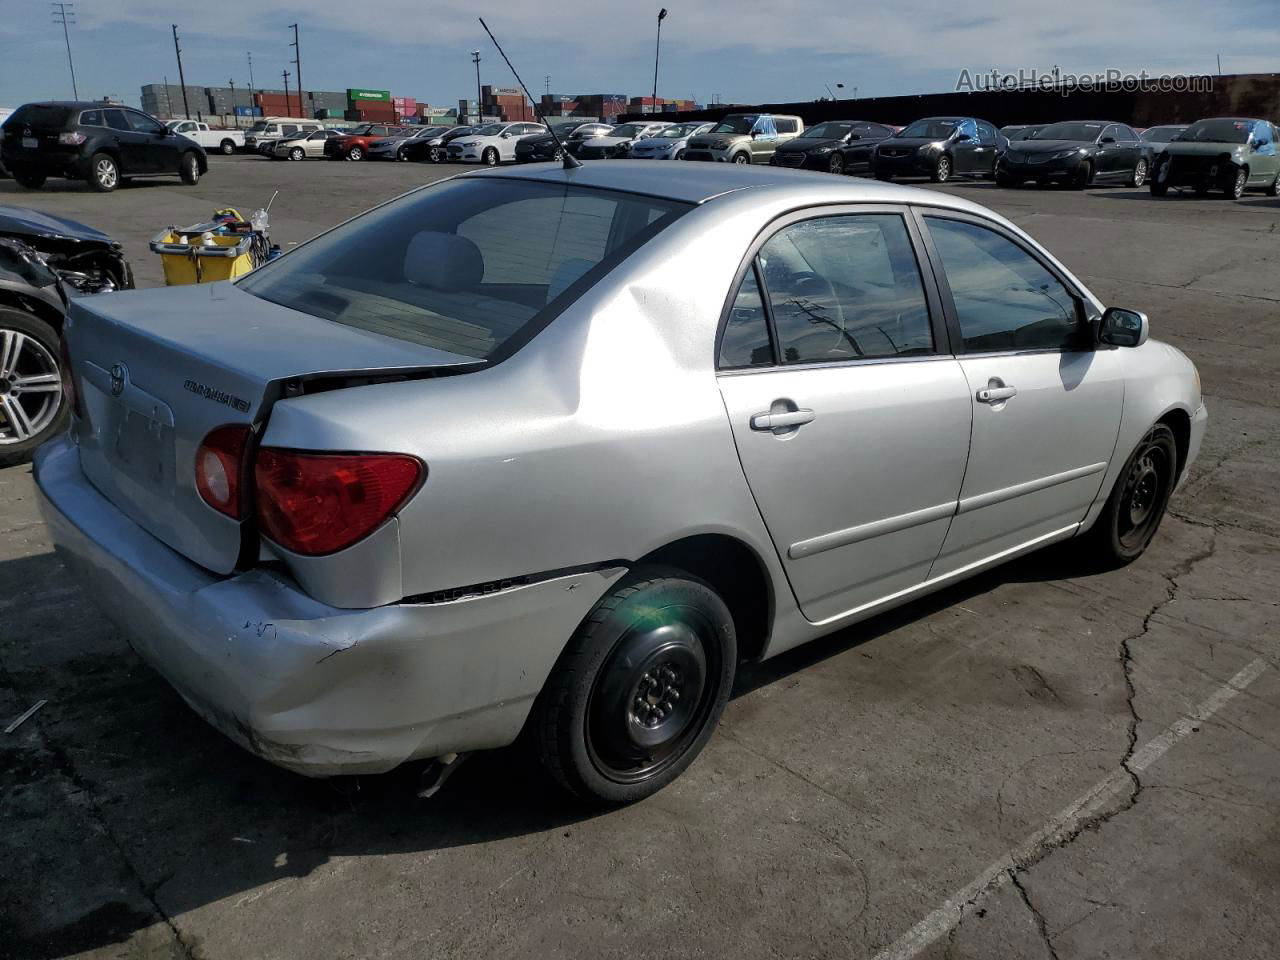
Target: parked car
{"type": "Point", "coordinates": [211, 138]}
{"type": "Point", "coordinates": [1078, 153]}
{"type": "Point", "coordinates": [1161, 137]}
{"type": "Point", "coordinates": [396, 147]}
{"type": "Point", "coordinates": [617, 142]}
{"type": "Point", "coordinates": [492, 144]}
{"type": "Point", "coordinates": [543, 147]}
{"type": "Point", "coordinates": [837, 146]}
{"type": "Point", "coordinates": [456, 492]}
{"type": "Point", "coordinates": [303, 148]}
{"type": "Point", "coordinates": [99, 144]}
{"type": "Point", "coordinates": [43, 259]}
{"type": "Point", "coordinates": [745, 138]}
{"type": "Point", "coordinates": [669, 142]}
{"type": "Point", "coordinates": [1021, 131]}
{"type": "Point", "coordinates": [260, 136]}
{"type": "Point", "coordinates": [435, 149]}
{"type": "Point", "coordinates": [1231, 154]}
{"type": "Point", "coordinates": [354, 144]}
{"type": "Point", "coordinates": [940, 148]}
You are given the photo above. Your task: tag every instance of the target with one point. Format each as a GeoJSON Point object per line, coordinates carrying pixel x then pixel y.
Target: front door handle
{"type": "Point", "coordinates": [996, 392]}
{"type": "Point", "coordinates": [775, 421]}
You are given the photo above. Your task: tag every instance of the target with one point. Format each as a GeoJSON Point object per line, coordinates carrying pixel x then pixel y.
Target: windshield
{"type": "Point", "coordinates": [678, 131]}
{"type": "Point", "coordinates": [498, 258]}
{"type": "Point", "coordinates": [735, 125]}
{"type": "Point", "coordinates": [627, 130]}
{"type": "Point", "coordinates": [1161, 134]}
{"type": "Point", "coordinates": [1222, 130]}
{"type": "Point", "coordinates": [492, 130]}
{"type": "Point", "coordinates": [931, 129]}
{"type": "Point", "coordinates": [827, 131]}
{"type": "Point", "coordinates": [40, 115]}
{"type": "Point", "coordinates": [1070, 131]}
{"type": "Point", "coordinates": [258, 126]}
{"type": "Point", "coordinates": [1026, 133]}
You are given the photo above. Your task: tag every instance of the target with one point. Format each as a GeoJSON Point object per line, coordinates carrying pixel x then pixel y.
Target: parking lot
{"type": "Point", "coordinates": [1044, 761]}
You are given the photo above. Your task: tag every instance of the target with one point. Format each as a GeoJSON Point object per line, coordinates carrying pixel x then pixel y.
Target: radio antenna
{"type": "Point", "coordinates": [569, 161]}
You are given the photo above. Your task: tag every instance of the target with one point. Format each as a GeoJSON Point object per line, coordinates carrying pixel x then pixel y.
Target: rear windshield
{"type": "Point", "coordinates": [45, 115]}
{"type": "Point", "coordinates": [464, 265]}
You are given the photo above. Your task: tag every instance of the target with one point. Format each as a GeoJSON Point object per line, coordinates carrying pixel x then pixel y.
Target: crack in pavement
{"type": "Point", "coordinates": [1042, 926]}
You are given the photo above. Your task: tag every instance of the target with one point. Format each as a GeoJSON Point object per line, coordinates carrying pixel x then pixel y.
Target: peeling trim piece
{"type": "Point", "coordinates": [491, 587]}
{"type": "Point", "coordinates": [978, 501]}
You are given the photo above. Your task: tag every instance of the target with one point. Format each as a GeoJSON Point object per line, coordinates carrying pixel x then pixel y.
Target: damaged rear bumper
{"type": "Point", "coordinates": [315, 689]}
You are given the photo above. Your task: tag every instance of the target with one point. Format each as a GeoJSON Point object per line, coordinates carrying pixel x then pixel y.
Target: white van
{"type": "Point", "coordinates": [277, 128]}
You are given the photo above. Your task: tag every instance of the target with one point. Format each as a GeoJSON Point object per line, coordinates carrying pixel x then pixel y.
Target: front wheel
{"type": "Point", "coordinates": [1139, 175]}
{"type": "Point", "coordinates": [941, 170]}
{"type": "Point", "coordinates": [1082, 176]}
{"type": "Point", "coordinates": [741, 158]}
{"type": "Point", "coordinates": [104, 174]}
{"type": "Point", "coordinates": [1006, 181]}
{"type": "Point", "coordinates": [884, 177]}
{"type": "Point", "coordinates": [29, 179]}
{"type": "Point", "coordinates": [32, 408]}
{"type": "Point", "coordinates": [836, 164]}
{"type": "Point", "coordinates": [679, 155]}
{"type": "Point", "coordinates": [1235, 186]}
{"type": "Point", "coordinates": [296, 154]}
{"type": "Point", "coordinates": [1137, 503]}
{"type": "Point", "coordinates": [437, 154]}
{"type": "Point", "coordinates": [189, 169]}
{"type": "Point", "coordinates": [1158, 189]}
{"type": "Point", "coordinates": [490, 157]}
{"type": "Point", "coordinates": [355, 153]}
{"type": "Point", "coordinates": [639, 689]}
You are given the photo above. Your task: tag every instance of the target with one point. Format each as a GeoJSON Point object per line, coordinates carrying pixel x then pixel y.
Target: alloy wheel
{"type": "Point", "coordinates": [30, 387]}
{"type": "Point", "coordinates": [355, 153]}
{"type": "Point", "coordinates": [1140, 173]}
{"type": "Point", "coordinates": [943, 170]}
{"type": "Point", "coordinates": [836, 164]}
{"type": "Point", "coordinates": [1236, 190]}
{"type": "Point", "coordinates": [106, 173]}
{"type": "Point", "coordinates": [295, 153]}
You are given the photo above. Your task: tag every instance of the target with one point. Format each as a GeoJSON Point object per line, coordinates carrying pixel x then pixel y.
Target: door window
{"type": "Point", "coordinates": [845, 288]}
{"type": "Point", "coordinates": [116, 120]}
{"type": "Point", "coordinates": [785, 124]}
{"type": "Point", "coordinates": [91, 118]}
{"type": "Point", "coordinates": [141, 123]}
{"type": "Point", "coordinates": [746, 342]}
{"type": "Point", "coordinates": [968, 127]}
{"type": "Point", "coordinates": [1005, 299]}
{"type": "Point", "coordinates": [986, 132]}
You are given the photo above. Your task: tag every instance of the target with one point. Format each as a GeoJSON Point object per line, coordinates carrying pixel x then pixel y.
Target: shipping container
{"type": "Point", "coordinates": [363, 93]}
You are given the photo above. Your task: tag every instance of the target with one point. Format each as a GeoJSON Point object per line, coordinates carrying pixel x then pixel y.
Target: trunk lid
{"type": "Point", "coordinates": [158, 369]}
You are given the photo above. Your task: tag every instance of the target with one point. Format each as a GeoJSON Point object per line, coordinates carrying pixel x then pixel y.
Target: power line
{"type": "Point", "coordinates": [65, 14]}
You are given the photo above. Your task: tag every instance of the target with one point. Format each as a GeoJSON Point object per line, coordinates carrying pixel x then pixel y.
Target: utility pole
{"type": "Point", "coordinates": [251, 89]}
{"type": "Point", "coordinates": [297, 66]}
{"type": "Point", "coordinates": [475, 58]}
{"type": "Point", "coordinates": [186, 108]}
{"type": "Point", "coordinates": [662, 15]}
{"type": "Point", "coordinates": [546, 82]}
{"type": "Point", "coordinates": [64, 13]}
{"type": "Point", "coordinates": [233, 103]}
{"type": "Point", "coordinates": [285, 74]}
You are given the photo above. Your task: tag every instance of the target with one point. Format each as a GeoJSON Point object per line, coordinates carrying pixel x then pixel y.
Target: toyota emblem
{"type": "Point", "coordinates": [119, 377]}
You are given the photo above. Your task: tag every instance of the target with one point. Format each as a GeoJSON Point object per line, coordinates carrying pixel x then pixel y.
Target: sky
{"type": "Point", "coordinates": [745, 51]}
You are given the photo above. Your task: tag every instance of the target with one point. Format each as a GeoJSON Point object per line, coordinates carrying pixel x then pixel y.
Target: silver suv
{"type": "Point", "coordinates": [745, 138]}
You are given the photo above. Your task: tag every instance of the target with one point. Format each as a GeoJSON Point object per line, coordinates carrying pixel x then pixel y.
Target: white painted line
{"type": "Point", "coordinates": [25, 717]}
{"type": "Point", "coordinates": [1080, 811]}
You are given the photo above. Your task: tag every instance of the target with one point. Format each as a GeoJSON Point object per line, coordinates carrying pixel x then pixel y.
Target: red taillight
{"type": "Point", "coordinates": [68, 381]}
{"type": "Point", "coordinates": [317, 503]}
{"type": "Point", "coordinates": [220, 467]}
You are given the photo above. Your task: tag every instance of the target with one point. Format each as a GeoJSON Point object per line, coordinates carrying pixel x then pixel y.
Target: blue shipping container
{"type": "Point", "coordinates": [248, 111]}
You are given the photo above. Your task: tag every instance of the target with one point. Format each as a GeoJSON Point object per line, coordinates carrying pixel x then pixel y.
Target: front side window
{"type": "Point", "coordinates": [1005, 299]}
{"type": "Point", "coordinates": [846, 288]}
{"type": "Point", "coordinates": [462, 266]}
{"type": "Point", "coordinates": [986, 131]}
{"type": "Point", "coordinates": [141, 123]}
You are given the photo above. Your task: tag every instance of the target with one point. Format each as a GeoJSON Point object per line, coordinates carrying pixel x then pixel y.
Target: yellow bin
{"type": "Point", "coordinates": [196, 262]}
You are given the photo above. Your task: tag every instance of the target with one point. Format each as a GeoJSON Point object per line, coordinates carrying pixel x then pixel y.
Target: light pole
{"type": "Point", "coordinates": [657, 47]}
{"type": "Point", "coordinates": [475, 58]}
{"type": "Point", "coordinates": [64, 13]}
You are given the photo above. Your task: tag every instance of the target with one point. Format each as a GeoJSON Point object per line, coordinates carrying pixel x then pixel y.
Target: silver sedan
{"type": "Point", "coordinates": [557, 449]}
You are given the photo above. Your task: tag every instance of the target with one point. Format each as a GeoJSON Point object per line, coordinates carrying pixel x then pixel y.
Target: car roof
{"type": "Point", "coordinates": [699, 182]}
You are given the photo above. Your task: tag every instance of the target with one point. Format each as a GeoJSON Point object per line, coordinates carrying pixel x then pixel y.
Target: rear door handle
{"type": "Point", "coordinates": [996, 394]}
{"type": "Point", "coordinates": [772, 421]}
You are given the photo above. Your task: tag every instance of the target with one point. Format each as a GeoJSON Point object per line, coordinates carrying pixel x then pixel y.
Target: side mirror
{"type": "Point", "coordinates": [963, 137]}
{"type": "Point", "coordinates": [754, 134]}
{"type": "Point", "coordinates": [1123, 328]}
{"type": "Point", "coordinates": [854, 136]}
{"type": "Point", "coordinates": [1107, 140]}
{"type": "Point", "coordinates": [505, 135]}
{"type": "Point", "coordinates": [1259, 144]}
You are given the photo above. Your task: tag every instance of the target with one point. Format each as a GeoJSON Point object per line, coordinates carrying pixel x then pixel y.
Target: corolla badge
{"type": "Point", "coordinates": [119, 377]}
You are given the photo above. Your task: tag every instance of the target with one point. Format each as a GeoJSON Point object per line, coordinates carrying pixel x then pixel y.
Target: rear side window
{"type": "Point", "coordinates": [785, 124]}
{"type": "Point", "coordinates": [846, 288]}
{"type": "Point", "coordinates": [465, 265]}
{"type": "Point", "coordinates": [41, 115]}
{"type": "Point", "coordinates": [91, 118]}
{"type": "Point", "coordinates": [1005, 299]}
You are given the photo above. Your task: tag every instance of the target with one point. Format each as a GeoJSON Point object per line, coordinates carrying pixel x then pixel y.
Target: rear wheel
{"type": "Point", "coordinates": [1137, 503]}
{"type": "Point", "coordinates": [228, 147]}
{"type": "Point", "coordinates": [189, 168]}
{"type": "Point", "coordinates": [296, 153]}
{"type": "Point", "coordinates": [32, 408]}
{"type": "Point", "coordinates": [29, 179]}
{"type": "Point", "coordinates": [639, 689]}
{"type": "Point", "coordinates": [1139, 175]}
{"type": "Point", "coordinates": [355, 153]}
{"type": "Point", "coordinates": [941, 170]}
{"type": "Point", "coordinates": [1274, 189]}
{"type": "Point", "coordinates": [489, 157]}
{"type": "Point", "coordinates": [104, 174]}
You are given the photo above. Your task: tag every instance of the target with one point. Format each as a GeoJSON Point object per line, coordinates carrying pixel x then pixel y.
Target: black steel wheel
{"type": "Point", "coordinates": [1138, 500]}
{"type": "Point", "coordinates": [639, 689]}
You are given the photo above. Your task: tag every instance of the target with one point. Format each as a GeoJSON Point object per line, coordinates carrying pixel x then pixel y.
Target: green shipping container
{"type": "Point", "coordinates": [359, 93]}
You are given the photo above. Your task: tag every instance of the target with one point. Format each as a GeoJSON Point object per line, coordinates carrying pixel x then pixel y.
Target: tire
{"type": "Point", "coordinates": [297, 153]}
{"type": "Point", "coordinates": [104, 173]}
{"type": "Point", "coordinates": [1158, 189]}
{"type": "Point", "coordinates": [189, 168]}
{"type": "Point", "coordinates": [1137, 503]}
{"type": "Point", "coordinates": [228, 147]}
{"type": "Point", "coordinates": [836, 165]}
{"type": "Point", "coordinates": [606, 727]}
{"type": "Point", "coordinates": [1083, 176]}
{"type": "Point", "coordinates": [941, 171]}
{"type": "Point", "coordinates": [885, 177]}
{"type": "Point", "coordinates": [1274, 189]}
{"type": "Point", "coordinates": [1139, 175]}
{"type": "Point", "coordinates": [490, 157]}
{"type": "Point", "coordinates": [741, 158]}
{"type": "Point", "coordinates": [28, 355]}
{"type": "Point", "coordinates": [1006, 181]}
{"type": "Point", "coordinates": [679, 155]}
{"type": "Point", "coordinates": [355, 153]}
{"type": "Point", "coordinates": [29, 179]}
{"type": "Point", "coordinates": [1235, 188]}
{"type": "Point", "coordinates": [437, 154]}
{"type": "Point", "coordinates": [401, 156]}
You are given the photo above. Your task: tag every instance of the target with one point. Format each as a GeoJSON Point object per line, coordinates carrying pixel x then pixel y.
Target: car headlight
{"type": "Point", "coordinates": [937, 145]}
{"type": "Point", "coordinates": [819, 151]}
{"type": "Point", "coordinates": [719, 144]}
{"type": "Point", "coordinates": [1066, 154]}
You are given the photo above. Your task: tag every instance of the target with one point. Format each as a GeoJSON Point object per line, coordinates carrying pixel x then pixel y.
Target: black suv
{"type": "Point", "coordinates": [97, 142]}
